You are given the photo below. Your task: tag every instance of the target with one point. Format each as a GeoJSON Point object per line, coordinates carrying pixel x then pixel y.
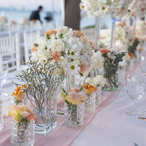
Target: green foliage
{"type": "Point", "coordinates": [36, 45]}
{"type": "Point", "coordinates": [61, 35]}
{"type": "Point", "coordinates": [47, 36]}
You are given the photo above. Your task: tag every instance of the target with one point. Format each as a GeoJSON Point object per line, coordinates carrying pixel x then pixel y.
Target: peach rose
{"type": "Point", "coordinates": [33, 49]}
{"type": "Point", "coordinates": [82, 68]}
{"type": "Point", "coordinates": [77, 33]}
{"type": "Point", "coordinates": [123, 24]}
{"type": "Point", "coordinates": [50, 32]}
{"type": "Point", "coordinates": [92, 44]}
{"type": "Point", "coordinates": [83, 40]}
{"type": "Point", "coordinates": [104, 51]}
{"type": "Point", "coordinates": [56, 56]}
{"type": "Point", "coordinates": [76, 90]}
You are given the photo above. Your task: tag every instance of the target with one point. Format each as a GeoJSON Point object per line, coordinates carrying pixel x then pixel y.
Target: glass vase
{"type": "Point", "coordinates": [45, 107]}
{"type": "Point", "coordinates": [113, 30]}
{"type": "Point", "coordinates": [1, 116]}
{"type": "Point", "coordinates": [98, 96]}
{"type": "Point", "coordinates": [89, 103]}
{"type": "Point", "coordinates": [22, 133]}
{"type": "Point", "coordinates": [121, 75]}
{"type": "Point", "coordinates": [73, 115]}
{"type": "Point", "coordinates": [97, 33]}
{"type": "Point", "coordinates": [111, 80]}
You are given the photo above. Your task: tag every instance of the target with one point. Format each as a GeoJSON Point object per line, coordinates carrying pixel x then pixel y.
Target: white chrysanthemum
{"type": "Point", "coordinates": [72, 68]}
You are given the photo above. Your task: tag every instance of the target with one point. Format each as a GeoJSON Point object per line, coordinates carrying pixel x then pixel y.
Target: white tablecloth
{"type": "Point", "coordinates": [111, 126]}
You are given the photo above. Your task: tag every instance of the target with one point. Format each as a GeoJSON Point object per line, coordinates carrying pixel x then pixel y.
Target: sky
{"type": "Point", "coordinates": [31, 4]}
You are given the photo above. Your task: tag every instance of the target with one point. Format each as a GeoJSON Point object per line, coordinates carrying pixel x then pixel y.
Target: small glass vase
{"type": "Point", "coordinates": [111, 80]}
{"type": "Point", "coordinates": [73, 115]}
{"type": "Point", "coordinates": [97, 33]}
{"type": "Point", "coordinates": [45, 107]}
{"type": "Point", "coordinates": [98, 95]}
{"type": "Point", "coordinates": [89, 103]}
{"type": "Point", "coordinates": [122, 75]}
{"type": "Point", "coordinates": [15, 102]}
{"type": "Point", "coordinates": [22, 133]}
{"type": "Point", "coordinates": [1, 116]}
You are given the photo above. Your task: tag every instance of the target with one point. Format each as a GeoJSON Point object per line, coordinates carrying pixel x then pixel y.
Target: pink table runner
{"type": "Point", "coordinates": [61, 135]}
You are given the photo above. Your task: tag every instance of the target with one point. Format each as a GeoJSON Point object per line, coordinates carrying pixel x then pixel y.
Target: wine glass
{"type": "Point", "coordinates": [143, 64]}
{"type": "Point", "coordinates": [3, 76]}
{"type": "Point", "coordinates": [135, 87]}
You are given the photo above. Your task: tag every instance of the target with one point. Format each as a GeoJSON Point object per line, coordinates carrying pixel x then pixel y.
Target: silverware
{"type": "Point", "coordinates": [142, 118]}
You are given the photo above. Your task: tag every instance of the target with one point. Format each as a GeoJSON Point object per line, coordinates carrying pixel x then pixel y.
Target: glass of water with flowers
{"type": "Point", "coordinates": [22, 125]}
{"type": "Point", "coordinates": [74, 107]}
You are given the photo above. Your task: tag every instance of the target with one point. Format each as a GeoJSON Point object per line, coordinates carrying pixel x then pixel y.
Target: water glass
{"type": "Point", "coordinates": [143, 64]}
{"type": "Point", "coordinates": [135, 87]}
{"type": "Point", "coordinates": [3, 76]}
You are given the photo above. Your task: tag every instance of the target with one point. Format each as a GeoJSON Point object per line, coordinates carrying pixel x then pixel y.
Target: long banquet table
{"type": "Point", "coordinates": [109, 127]}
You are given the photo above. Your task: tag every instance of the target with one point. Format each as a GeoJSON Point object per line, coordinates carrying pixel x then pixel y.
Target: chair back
{"type": "Point", "coordinates": [10, 51]}
{"type": "Point", "coordinates": [29, 39]}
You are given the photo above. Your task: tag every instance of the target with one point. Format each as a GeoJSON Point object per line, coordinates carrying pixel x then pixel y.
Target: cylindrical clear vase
{"type": "Point", "coordinates": [22, 133]}
{"type": "Point", "coordinates": [97, 33]}
{"type": "Point", "coordinates": [98, 95]}
{"type": "Point", "coordinates": [89, 103]}
{"type": "Point", "coordinates": [111, 80]}
{"type": "Point", "coordinates": [73, 115]}
{"type": "Point", "coordinates": [121, 74]}
{"type": "Point", "coordinates": [1, 116]}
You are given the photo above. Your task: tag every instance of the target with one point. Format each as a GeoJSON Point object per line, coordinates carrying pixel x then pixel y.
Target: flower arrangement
{"type": "Point", "coordinates": [40, 88]}
{"type": "Point", "coordinates": [18, 94]}
{"type": "Point", "coordinates": [69, 48]}
{"type": "Point", "coordinates": [137, 8]}
{"type": "Point", "coordinates": [101, 8]}
{"type": "Point", "coordinates": [24, 21]}
{"type": "Point", "coordinates": [123, 36]}
{"type": "Point", "coordinates": [74, 107]}
{"type": "Point", "coordinates": [140, 28]}
{"type": "Point", "coordinates": [22, 125]}
{"type": "Point", "coordinates": [110, 66]}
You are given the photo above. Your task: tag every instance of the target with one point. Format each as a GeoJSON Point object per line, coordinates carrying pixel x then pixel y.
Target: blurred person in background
{"type": "Point", "coordinates": [35, 15]}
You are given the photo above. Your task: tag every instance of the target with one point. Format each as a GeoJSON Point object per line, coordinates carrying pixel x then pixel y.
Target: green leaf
{"type": "Point", "coordinates": [63, 96]}
{"type": "Point", "coordinates": [64, 91]}
{"type": "Point", "coordinates": [61, 35]}
{"type": "Point", "coordinates": [36, 45]}
{"type": "Point", "coordinates": [81, 74]}
{"type": "Point", "coordinates": [47, 36]}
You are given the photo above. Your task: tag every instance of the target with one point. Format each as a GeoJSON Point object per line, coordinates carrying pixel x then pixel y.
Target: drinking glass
{"type": "Point", "coordinates": [143, 64]}
{"type": "Point", "coordinates": [135, 89]}
{"type": "Point", "coordinates": [3, 76]}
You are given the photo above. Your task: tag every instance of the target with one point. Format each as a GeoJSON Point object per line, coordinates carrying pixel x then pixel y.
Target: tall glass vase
{"type": "Point", "coordinates": [22, 133]}
{"type": "Point", "coordinates": [113, 31]}
{"type": "Point", "coordinates": [97, 33]}
{"type": "Point", "coordinates": [134, 25]}
{"type": "Point", "coordinates": [45, 107]}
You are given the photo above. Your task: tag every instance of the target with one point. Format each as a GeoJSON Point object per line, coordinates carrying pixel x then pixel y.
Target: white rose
{"type": "Point", "coordinates": [126, 57]}
{"type": "Point", "coordinates": [43, 41]}
{"type": "Point", "coordinates": [90, 82]}
{"type": "Point", "coordinates": [97, 60]}
{"type": "Point", "coordinates": [100, 80]}
{"type": "Point", "coordinates": [57, 45]}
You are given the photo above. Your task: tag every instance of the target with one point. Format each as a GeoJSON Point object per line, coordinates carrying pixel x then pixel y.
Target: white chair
{"type": "Point", "coordinates": [29, 39]}
{"type": "Point", "coordinates": [14, 28]}
{"type": "Point", "coordinates": [10, 51]}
